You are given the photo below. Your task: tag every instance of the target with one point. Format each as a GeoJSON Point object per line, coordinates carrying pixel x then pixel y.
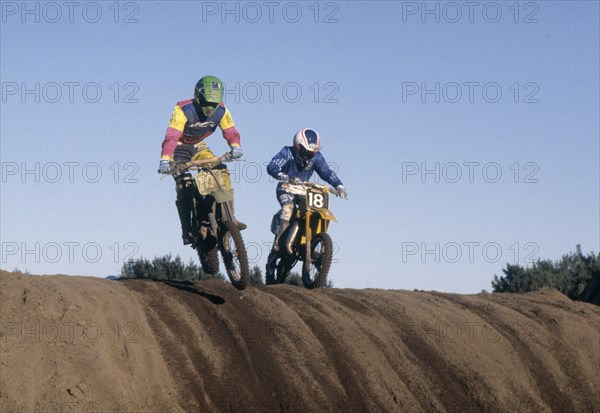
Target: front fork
{"type": "Point", "coordinates": [320, 226]}
{"type": "Point", "coordinates": [308, 235]}
{"type": "Point", "coordinates": [222, 206]}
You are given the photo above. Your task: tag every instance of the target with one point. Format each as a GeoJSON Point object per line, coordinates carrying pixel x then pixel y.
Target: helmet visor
{"type": "Point", "coordinates": [312, 138]}
{"type": "Point", "coordinates": [305, 153]}
{"type": "Point", "coordinates": [208, 94]}
{"type": "Point", "coordinates": [209, 109]}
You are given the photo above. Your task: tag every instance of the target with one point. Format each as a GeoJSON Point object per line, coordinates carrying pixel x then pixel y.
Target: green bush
{"type": "Point", "coordinates": [166, 268]}
{"type": "Point", "coordinates": [169, 268]}
{"type": "Point", "coordinates": [256, 277]}
{"type": "Point", "coordinates": [570, 275]}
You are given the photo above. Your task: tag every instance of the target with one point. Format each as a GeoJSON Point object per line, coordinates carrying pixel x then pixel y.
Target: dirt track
{"type": "Point", "coordinates": [79, 344]}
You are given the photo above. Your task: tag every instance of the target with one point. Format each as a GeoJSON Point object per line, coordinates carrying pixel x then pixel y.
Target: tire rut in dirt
{"type": "Point", "coordinates": [450, 388]}
{"type": "Point", "coordinates": [351, 378]}
{"type": "Point", "coordinates": [548, 390]}
{"type": "Point", "coordinates": [186, 364]}
{"type": "Point", "coordinates": [249, 358]}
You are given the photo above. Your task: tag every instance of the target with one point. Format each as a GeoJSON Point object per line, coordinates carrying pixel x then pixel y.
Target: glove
{"type": "Point", "coordinates": [164, 166]}
{"type": "Point", "coordinates": [342, 191]}
{"type": "Point", "coordinates": [296, 181]}
{"type": "Point", "coordinates": [281, 177]}
{"type": "Point", "coordinates": [236, 152]}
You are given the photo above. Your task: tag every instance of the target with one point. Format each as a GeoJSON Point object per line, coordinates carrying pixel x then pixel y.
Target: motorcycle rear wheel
{"type": "Point", "coordinates": [206, 247]}
{"type": "Point", "coordinates": [278, 268]}
{"type": "Point", "coordinates": [209, 257]}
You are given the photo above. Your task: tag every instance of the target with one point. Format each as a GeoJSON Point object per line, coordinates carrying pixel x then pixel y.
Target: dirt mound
{"type": "Point", "coordinates": [79, 344]}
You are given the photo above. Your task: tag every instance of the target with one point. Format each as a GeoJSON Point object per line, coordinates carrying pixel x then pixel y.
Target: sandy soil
{"type": "Point", "coordinates": [82, 344]}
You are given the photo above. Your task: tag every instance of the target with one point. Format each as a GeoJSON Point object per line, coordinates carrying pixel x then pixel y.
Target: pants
{"type": "Point", "coordinates": [185, 152]}
{"type": "Point", "coordinates": [287, 209]}
{"type": "Point", "coordinates": [287, 204]}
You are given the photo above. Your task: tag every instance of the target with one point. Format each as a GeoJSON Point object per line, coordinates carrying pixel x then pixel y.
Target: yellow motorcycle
{"type": "Point", "coordinates": [306, 239]}
{"type": "Point", "coordinates": [213, 221]}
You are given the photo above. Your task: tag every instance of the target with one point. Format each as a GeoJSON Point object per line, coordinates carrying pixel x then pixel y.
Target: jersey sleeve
{"type": "Point", "coordinates": [230, 133]}
{"type": "Point", "coordinates": [278, 162]}
{"type": "Point", "coordinates": [174, 131]}
{"type": "Point", "coordinates": [326, 173]}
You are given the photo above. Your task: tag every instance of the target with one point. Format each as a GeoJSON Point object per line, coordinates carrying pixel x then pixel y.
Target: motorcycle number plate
{"type": "Point", "coordinates": [207, 181]}
{"type": "Point", "coordinates": [316, 198]}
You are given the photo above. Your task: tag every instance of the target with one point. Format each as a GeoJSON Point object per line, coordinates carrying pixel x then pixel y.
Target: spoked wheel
{"type": "Point", "coordinates": [209, 257]}
{"type": "Point", "coordinates": [234, 255]}
{"type": "Point", "coordinates": [321, 253]}
{"type": "Point", "coordinates": [206, 244]}
{"type": "Point", "coordinates": [278, 268]}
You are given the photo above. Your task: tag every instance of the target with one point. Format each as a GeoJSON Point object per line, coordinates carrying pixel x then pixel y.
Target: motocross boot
{"type": "Point", "coordinates": [270, 267]}
{"type": "Point", "coordinates": [283, 225]}
{"type": "Point", "coordinates": [241, 226]}
{"type": "Point", "coordinates": [184, 208]}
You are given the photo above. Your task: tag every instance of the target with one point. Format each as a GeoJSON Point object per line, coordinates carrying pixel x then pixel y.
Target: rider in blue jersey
{"type": "Point", "coordinates": [299, 162]}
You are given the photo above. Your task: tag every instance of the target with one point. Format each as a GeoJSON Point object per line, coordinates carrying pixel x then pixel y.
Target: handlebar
{"type": "Point", "coordinates": [208, 163]}
{"type": "Point", "coordinates": [307, 184]}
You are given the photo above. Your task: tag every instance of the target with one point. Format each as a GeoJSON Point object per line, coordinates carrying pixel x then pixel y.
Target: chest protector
{"type": "Point", "coordinates": [196, 129]}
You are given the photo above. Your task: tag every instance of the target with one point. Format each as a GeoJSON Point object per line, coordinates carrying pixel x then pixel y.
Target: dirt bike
{"type": "Point", "coordinates": [213, 221]}
{"type": "Point", "coordinates": [306, 239]}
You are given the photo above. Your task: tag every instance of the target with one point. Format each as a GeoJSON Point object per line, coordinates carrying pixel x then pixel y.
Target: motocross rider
{"type": "Point", "coordinates": [297, 163]}
{"type": "Point", "coordinates": [192, 122]}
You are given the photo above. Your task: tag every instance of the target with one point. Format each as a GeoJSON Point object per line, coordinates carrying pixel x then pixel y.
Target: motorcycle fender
{"type": "Point", "coordinates": [326, 214]}
{"type": "Point", "coordinates": [222, 196]}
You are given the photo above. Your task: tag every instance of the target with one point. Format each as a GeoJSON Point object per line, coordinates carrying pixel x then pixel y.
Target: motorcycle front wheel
{"type": "Point", "coordinates": [315, 272]}
{"type": "Point", "coordinates": [234, 255]}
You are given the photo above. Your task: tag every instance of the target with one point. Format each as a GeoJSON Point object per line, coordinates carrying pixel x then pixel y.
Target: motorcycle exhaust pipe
{"type": "Point", "coordinates": [292, 237]}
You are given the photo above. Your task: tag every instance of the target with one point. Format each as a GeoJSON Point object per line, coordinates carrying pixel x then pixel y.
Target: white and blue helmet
{"type": "Point", "coordinates": [307, 143]}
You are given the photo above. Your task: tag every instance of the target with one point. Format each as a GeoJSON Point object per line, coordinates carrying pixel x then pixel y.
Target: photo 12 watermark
{"type": "Point", "coordinates": [146, 406]}
{"type": "Point", "coordinates": [67, 252]}
{"type": "Point", "coordinates": [454, 252]}
{"type": "Point", "coordinates": [56, 12]}
{"type": "Point", "coordinates": [488, 12]}
{"type": "Point", "coordinates": [470, 92]}
{"type": "Point", "coordinates": [253, 172]}
{"type": "Point", "coordinates": [463, 332]}
{"type": "Point", "coordinates": [453, 172]}
{"type": "Point", "coordinates": [69, 332]}
{"type": "Point", "coordinates": [61, 406]}
{"type": "Point", "coordinates": [253, 12]}
{"type": "Point", "coordinates": [281, 92]}
{"type": "Point", "coordinates": [69, 92]}
{"type": "Point", "coordinates": [258, 251]}
{"type": "Point", "coordinates": [70, 172]}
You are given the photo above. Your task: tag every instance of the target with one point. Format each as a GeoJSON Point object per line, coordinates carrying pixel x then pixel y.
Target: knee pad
{"type": "Point", "coordinates": [183, 186]}
{"type": "Point", "coordinates": [286, 212]}
{"type": "Point", "coordinates": [183, 181]}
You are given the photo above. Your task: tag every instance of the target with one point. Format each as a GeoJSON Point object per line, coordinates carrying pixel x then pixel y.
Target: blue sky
{"type": "Point", "coordinates": [467, 135]}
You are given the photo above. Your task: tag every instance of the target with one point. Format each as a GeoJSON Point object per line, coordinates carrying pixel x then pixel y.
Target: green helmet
{"type": "Point", "coordinates": [208, 94]}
